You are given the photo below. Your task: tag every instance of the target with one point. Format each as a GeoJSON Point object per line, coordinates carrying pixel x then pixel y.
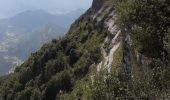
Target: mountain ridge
{"type": "Point", "coordinates": [104, 56]}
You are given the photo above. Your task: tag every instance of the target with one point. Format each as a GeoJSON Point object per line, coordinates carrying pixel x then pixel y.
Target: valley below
{"type": "Point", "coordinates": [26, 32]}
{"type": "Point", "coordinates": [9, 64]}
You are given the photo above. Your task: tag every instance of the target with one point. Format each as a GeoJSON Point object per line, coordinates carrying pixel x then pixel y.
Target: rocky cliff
{"type": "Point", "coordinates": [96, 60]}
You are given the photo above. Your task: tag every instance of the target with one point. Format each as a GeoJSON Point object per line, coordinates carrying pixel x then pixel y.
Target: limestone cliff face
{"type": "Point", "coordinates": [105, 19]}
{"type": "Point", "coordinates": [115, 42]}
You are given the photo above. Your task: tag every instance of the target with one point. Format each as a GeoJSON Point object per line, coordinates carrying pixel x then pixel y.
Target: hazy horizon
{"type": "Point", "coordinates": [10, 8]}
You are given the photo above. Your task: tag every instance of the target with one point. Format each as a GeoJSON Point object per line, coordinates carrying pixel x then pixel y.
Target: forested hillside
{"type": "Point", "coordinates": [117, 50]}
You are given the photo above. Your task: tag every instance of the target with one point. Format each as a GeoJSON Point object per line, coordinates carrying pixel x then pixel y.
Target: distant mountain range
{"type": "Point", "coordinates": [27, 32]}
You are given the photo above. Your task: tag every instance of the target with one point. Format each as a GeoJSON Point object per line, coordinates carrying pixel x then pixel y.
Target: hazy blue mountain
{"type": "Point", "coordinates": [30, 19]}
{"type": "Point", "coordinates": [34, 40]}
{"type": "Point", "coordinates": [74, 13]}
{"type": "Point", "coordinates": [27, 32]}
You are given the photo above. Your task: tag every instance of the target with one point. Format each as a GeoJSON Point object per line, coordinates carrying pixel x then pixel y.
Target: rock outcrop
{"type": "Point", "coordinates": [96, 5]}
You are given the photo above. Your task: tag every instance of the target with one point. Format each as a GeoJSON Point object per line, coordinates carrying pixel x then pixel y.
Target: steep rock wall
{"type": "Point", "coordinates": [105, 18]}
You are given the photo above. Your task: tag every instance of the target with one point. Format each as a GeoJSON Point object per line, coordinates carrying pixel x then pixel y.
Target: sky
{"type": "Point", "coordinates": [9, 8]}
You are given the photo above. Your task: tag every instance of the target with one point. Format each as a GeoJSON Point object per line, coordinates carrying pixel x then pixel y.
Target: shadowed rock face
{"type": "Point", "coordinates": [96, 4]}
